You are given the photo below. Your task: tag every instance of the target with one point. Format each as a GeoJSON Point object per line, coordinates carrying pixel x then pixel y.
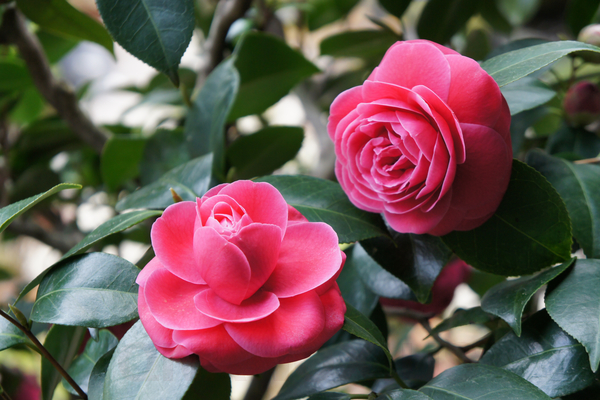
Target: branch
{"type": "Point", "coordinates": [56, 93]}
{"type": "Point", "coordinates": [457, 351]}
{"type": "Point", "coordinates": [60, 241]}
{"type": "Point", "coordinates": [588, 161]}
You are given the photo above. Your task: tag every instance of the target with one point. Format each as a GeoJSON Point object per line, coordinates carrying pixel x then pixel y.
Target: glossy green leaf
{"type": "Point", "coordinates": [354, 290]}
{"type": "Point", "coordinates": [414, 259]}
{"type": "Point", "coordinates": [94, 290]}
{"type": "Point", "coordinates": [520, 122]}
{"type": "Point", "coordinates": [481, 281]}
{"type": "Point", "coordinates": [62, 342]}
{"type": "Point", "coordinates": [363, 44]}
{"type": "Point", "coordinates": [330, 396]}
{"type": "Point", "coordinates": [514, 65]}
{"type": "Point", "coordinates": [325, 201]}
{"type": "Point", "coordinates": [96, 382]}
{"type": "Point", "coordinates": [164, 150]}
{"type": "Point", "coordinates": [518, 11]}
{"type": "Point", "coordinates": [264, 151]}
{"type": "Point", "coordinates": [138, 371]}
{"type": "Point", "coordinates": [441, 19]}
{"type": "Point", "coordinates": [360, 326]}
{"type": "Point", "coordinates": [579, 187]}
{"type": "Point", "coordinates": [578, 141]}
{"type": "Point", "coordinates": [120, 159]}
{"type": "Point", "coordinates": [205, 122]}
{"type": "Point", "coordinates": [10, 212]}
{"type": "Point", "coordinates": [156, 31]}
{"type": "Point", "coordinates": [544, 355]}
{"type": "Point", "coordinates": [346, 362]}
{"type": "Point", "coordinates": [574, 304]}
{"type": "Point", "coordinates": [10, 335]}
{"type": "Point", "coordinates": [463, 317]}
{"type": "Point", "coordinates": [481, 382]}
{"type": "Point", "coordinates": [268, 69]}
{"type": "Point", "coordinates": [59, 17]}
{"type": "Point", "coordinates": [491, 13]}
{"type": "Point", "coordinates": [395, 7]}
{"type": "Point", "coordinates": [322, 12]}
{"type": "Point", "coordinates": [581, 13]}
{"type": "Point", "coordinates": [213, 386]}
{"type": "Point", "coordinates": [508, 299]}
{"type": "Point", "coordinates": [82, 367]}
{"type": "Point", "coordinates": [414, 370]}
{"type": "Point", "coordinates": [526, 93]}
{"type": "Point", "coordinates": [13, 75]}
{"type": "Point", "coordinates": [189, 180]}
{"type": "Point", "coordinates": [402, 394]}
{"type": "Point", "coordinates": [530, 230]}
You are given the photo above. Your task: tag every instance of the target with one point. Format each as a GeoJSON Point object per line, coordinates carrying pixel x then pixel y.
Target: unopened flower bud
{"type": "Point", "coordinates": [590, 35]}
{"type": "Point", "coordinates": [582, 103]}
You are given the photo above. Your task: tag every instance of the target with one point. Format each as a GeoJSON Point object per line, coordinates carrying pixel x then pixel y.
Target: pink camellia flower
{"type": "Point", "coordinates": [425, 140]}
{"type": "Point", "coordinates": [241, 279]}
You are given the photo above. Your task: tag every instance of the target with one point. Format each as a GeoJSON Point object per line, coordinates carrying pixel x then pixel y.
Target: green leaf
{"type": "Point", "coordinates": [490, 12]}
{"type": "Point", "coordinates": [568, 139]}
{"type": "Point", "coordinates": [322, 12]}
{"type": "Point", "coordinates": [363, 44]}
{"type": "Point", "coordinates": [59, 17]}
{"type": "Point", "coordinates": [395, 7]}
{"type": "Point", "coordinates": [518, 11]}
{"type": "Point", "coordinates": [164, 151]}
{"type": "Point", "coordinates": [481, 382]}
{"type": "Point", "coordinates": [189, 180]}
{"type": "Point", "coordinates": [156, 31]}
{"type": "Point", "coordinates": [212, 386]}
{"type": "Point", "coordinates": [96, 383]}
{"type": "Point", "coordinates": [205, 122]}
{"type": "Point", "coordinates": [414, 259]}
{"type": "Point", "coordinates": [346, 362]}
{"type": "Point", "coordinates": [330, 396]}
{"type": "Point", "coordinates": [120, 159]}
{"type": "Point", "coordinates": [441, 19]}
{"type": "Point", "coordinates": [574, 304]}
{"type": "Point", "coordinates": [10, 212]}
{"type": "Point", "coordinates": [514, 65]}
{"type": "Point", "coordinates": [62, 342]}
{"type": "Point", "coordinates": [543, 346]}
{"type": "Point", "coordinates": [325, 201]}
{"type": "Point", "coordinates": [93, 290]}
{"type": "Point", "coordinates": [56, 46]}
{"type": "Point", "coordinates": [508, 299]}
{"type": "Point", "coordinates": [581, 13]}
{"type": "Point", "coordinates": [264, 151]}
{"type": "Point", "coordinates": [358, 325]}
{"type": "Point", "coordinates": [138, 371]}
{"type": "Point", "coordinates": [30, 106]}
{"type": "Point", "coordinates": [481, 281]}
{"type": "Point", "coordinates": [13, 75]}
{"type": "Point", "coordinates": [10, 335]}
{"type": "Point", "coordinates": [526, 93]}
{"type": "Point", "coordinates": [530, 230]}
{"type": "Point", "coordinates": [402, 394]}
{"type": "Point", "coordinates": [268, 69]}
{"type": "Point", "coordinates": [519, 123]}
{"type": "Point", "coordinates": [82, 367]}
{"type": "Point", "coordinates": [354, 291]}
{"type": "Point", "coordinates": [463, 317]}
{"type": "Point", "coordinates": [414, 370]}
{"type": "Point", "coordinates": [579, 187]}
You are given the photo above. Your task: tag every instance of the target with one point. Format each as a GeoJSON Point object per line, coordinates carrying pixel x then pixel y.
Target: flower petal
{"type": "Point", "coordinates": [418, 221]}
{"type": "Point", "coordinates": [256, 307]}
{"type": "Point", "coordinates": [160, 335]}
{"type": "Point", "coordinates": [213, 344]}
{"type": "Point", "coordinates": [343, 104]}
{"type": "Point", "coordinates": [252, 366]}
{"type": "Point", "coordinates": [152, 266]}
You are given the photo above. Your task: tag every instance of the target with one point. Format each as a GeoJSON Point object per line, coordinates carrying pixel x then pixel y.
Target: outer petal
{"type": "Point", "coordinates": [172, 239]}
{"type": "Point", "coordinates": [171, 302]}
{"type": "Point", "coordinates": [175, 352]}
{"type": "Point", "coordinates": [256, 307]}
{"type": "Point", "coordinates": [343, 104]}
{"type": "Point", "coordinates": [152, 266]}
{"type": "Point", "coordinates": [160, 335]}
{"type": "Point", "coordinates": [252, 366]}
{"type": "Point", "coordinates": [297, 322]}
{"type": "Point", "coordinates": [294, 216]}
{"type": "Point", "coordinates": [309, 256]}
{"type": "Point", "coordinates": [417, 221]}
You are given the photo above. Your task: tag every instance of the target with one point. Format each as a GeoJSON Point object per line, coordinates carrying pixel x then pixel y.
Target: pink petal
{"type": "Point", "coordinates": [260, 244]}
{"type": "Point", "coordinates": [214, 191]}
{"type": "Point", "coordinates": [171, 301]}
{"type": "Point", "coordinates": [256, 307]}
{"type": "Point", "coordinates": [223, 266]}
{"type": "Point", "coordinates": [172, 239]}
{"type": "Point", "coordinates": [294, 216]}
{"type": "Point", "coordinates": [343, 104]}
{"type": "Point", "coordinates": [332, 281]}
{"type": "Point", "coordinates": [152, 266]}
{"type": "Point", "coordinates": [295, 324]}
{"type": "Point", "coordinates": [451, 221]}
{"type": "Point", "coordinates": [175, 352]}
{"type": "Point", "coordinates": [417, 221]}
{"type": "Point", "coordinates": [160, 335]}
{"type": "Point", "coordinates": [213, 344]}
{"type": "Point", "coordinates": [252, 366]}
{"type": "Point", "coordinates": [309, 256]}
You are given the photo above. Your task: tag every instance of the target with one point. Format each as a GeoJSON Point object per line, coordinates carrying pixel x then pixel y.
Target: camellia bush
{"type": "Point", "coordinates": [459, 142]}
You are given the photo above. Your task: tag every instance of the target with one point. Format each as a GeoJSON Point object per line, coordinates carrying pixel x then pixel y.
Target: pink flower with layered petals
{"type": "Point", "coordinates": [425, 140]}
{"type": "Point", "coordinates": [241, 279]}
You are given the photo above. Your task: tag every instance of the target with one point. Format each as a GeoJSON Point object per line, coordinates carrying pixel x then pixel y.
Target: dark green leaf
{"type": "Point", "coordinates": [330, 396]}
{"type": "Point", "coordinates": [30, 106]}
{"type": "Point", "coordinates": [514, 65]}
{"type": "Point", "coordinates": [205, 123]}
{"type": "Point", "coordinates": [481, 281]}
{"type": "Point", "coordinates": [395, 7]}
{"type": "Point", "coordinates": [581, 13]}
{"type": "Point", "coordinates": [515, 44]}
{"type": "Point", "coordinates": [322, 12]}
{"type": "Point", "coordinates": [10, 335]}
{"type": "Point", "coordinates": [414, 259]}
{"type": "Point", "coordinates": [120, 159]}
{"type": "Point", "coordinates": [403, 394]}
{"type": "Point", "coordinates": [325, 201]}
{"type": "Point", "coordinates": [481, 382]}
{"type": "Point", "coordinates": [138, 371]}
{"type": "Point", "coordinates": [354, 291]}
{"type": "Point", "coordinates": [164, 151]}
{"type": "Point", "coordinates": [462, 317]}
{"type": "Point", "coordinates": [96, 383]}
{"type": "Point", "coordinates": [441, 19]}
{"type": "Point", "coordinates": [58, 16]}
{"type": "Point", "coordinates": [13, 75]}
{"type": "Point", "coordinates": [519, 124]}
{"type": "Point", "coordinates": [212, 386]}
{"type": "Point", "coordinates": [518, 11]}
{"type": "Point", "coordinates": [568, 139]}
{"type": "Point", "coordinates": [508, 299]}
{"type": "Point", "coordinates": [414, 370]}
{"type": "Point", "coordinates": [530, 230]}
{"type": "Point", "coordinates": [490, 12]}
{"type": "Point", "coordinates": [55, 46]}
{"type": "Point", "coordinates": [579, 186]}
{"type": "Point", "coordinates": [94, 290]}
{"type": "Point", "coordinates": [269, 69]}
{"type": "Point", "coordinates": [358, 325]}
{"type": "Point", "coordinates": [63, 343]}
{"type": "Point", "coordinates": [82, 367]}
{"type": "Point", "coordinates": [346, 362]}
{"type": "Point", "coordinates": [574, 304]}
{"type": "Point", "coordinates": [156, 31]}
{"type": "Point", "coordinates": [264, 151]}
{"type": "Point", "coordinates": [189, 180]}
{"type": "Point", "coordinates": [526, 93]}
{"type": "Point", "coordinates": [363, 44]}
{"type": "Point", "coordinates": [544, 355]}
{"type": "Point", "coordinates": [10, 212]}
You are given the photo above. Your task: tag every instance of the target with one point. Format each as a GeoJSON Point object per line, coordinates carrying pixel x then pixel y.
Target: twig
{"type": "Point", "coordinates": [259, 385]}
{"type": "Point", "coordinates": [478, 343]}
{"type": "Point", "coordinates": [588, 161]}
{"type": "Point", "coordinates": [56, 93]}
{"type": "Point", "coordinates": [45, 353]}
{"type": "Point", "coordinates": [457, 351]}
{"type": "Point", "coordinates": [226, 13]}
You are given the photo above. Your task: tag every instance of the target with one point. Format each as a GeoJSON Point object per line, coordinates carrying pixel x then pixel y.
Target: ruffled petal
{"type": "Point", "coordinates": [152, 266]}
{"type": "Point", "coordinates": [256, 307]}
{"type": "Point", "coordinates": [252, 366]}
{"type": "Point", "coordinates": [160, 335]}
{"type": "Point", "coordinates": [175, 352]}
{"type": "Point", "coordinates": [418, 221]}
{"type": "Point", "coordinates": [213, 344]}
{"type": "Point", "coordinates": [343, 104]}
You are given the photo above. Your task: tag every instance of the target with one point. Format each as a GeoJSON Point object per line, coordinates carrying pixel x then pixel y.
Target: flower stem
{"type": "Point", "coordinates": [45, 353]}
{"type": "Point", "coordinates": [399, 380]}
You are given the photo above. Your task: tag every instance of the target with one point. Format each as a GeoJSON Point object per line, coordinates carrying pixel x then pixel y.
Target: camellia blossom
{"type": "Point", "coordinates": [241, 279]}
{"type": "Point", "coordinates": [425, 140]}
